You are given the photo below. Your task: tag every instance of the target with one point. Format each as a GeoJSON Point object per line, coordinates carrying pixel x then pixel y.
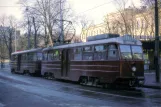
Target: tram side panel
{"type": "Point", "coordinates": [13, 63]}
{"type": "Point", "coordinates": [105, 71]}
{"type": "Point", "coordinates": [51, 67]}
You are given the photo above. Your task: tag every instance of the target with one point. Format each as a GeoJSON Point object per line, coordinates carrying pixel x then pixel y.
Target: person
{"type": "Point", "coordinates": [2, 64]}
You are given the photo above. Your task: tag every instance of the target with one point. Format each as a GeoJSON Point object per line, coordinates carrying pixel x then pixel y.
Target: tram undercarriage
{"type": "Point", "coordinates": [95, 81]}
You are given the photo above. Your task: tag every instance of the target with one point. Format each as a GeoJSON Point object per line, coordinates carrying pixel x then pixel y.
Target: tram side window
{"type": "Point", "coordinates": [32, 57]}
{"type": "Point", "coordinates": [112, 52]}
{"type": "Point", "coordinates": [100, 52]}
{"type": "Point", "coordinates": [50, 55]}
{"type": "Point", "coordinates": [24, 57]}
{"type": "Point", "coordinates": [39, 56]}
{"type": "Point", "coordinates": [88, 53]}
{"type": "Point", "coordinates": [45, 56]}
{"type": "Point", "coordinates": [14, 57]}
{"type": "Point", "coordinates": [78, 53]}
{"type": "Point", "coordinates": [56, 55]}
{"type": "Point", "coordinates": [53, 55]}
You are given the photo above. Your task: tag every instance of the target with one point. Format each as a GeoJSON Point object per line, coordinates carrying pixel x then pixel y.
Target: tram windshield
{"type": "Point", "coordinates": [129, 52]}
{"type": "Point", "coordinates": [125, 51]}
{"type": "Point", "coordinates": [137, 52]}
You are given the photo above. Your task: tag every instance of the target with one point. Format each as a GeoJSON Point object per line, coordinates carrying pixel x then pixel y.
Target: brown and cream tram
{"type": "Point", "coordinates": [100, 60]}
{"type": "Point", "coordinates": [28, 61]}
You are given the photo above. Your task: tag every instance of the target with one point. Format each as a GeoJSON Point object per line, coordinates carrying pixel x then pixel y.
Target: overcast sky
{"type": "Point", "coordinates": [79, 6]}
{"type": "Point", "coordinates": [93, 9]}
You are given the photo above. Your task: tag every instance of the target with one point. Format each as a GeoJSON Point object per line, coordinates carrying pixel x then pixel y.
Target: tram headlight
{"type": "Point", "coordinates": [133, 68]}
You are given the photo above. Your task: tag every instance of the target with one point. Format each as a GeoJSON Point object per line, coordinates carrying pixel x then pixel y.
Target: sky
{"type": "Point", "coordinates": [10, 7]}
{"type": "Point", "coordinates": [95, 9]}
{"type": "Point", "coordinates": [91, 9]}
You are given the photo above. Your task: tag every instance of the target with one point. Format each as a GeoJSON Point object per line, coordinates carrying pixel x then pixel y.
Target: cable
{"type": "Point", "coordinates": [95, 7]}
{"type": "Point", "coordinates": [76, 14]}
{"type": "Point", "coordinates": [12, 6]}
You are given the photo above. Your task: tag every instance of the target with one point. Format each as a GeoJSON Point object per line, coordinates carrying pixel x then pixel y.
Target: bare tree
{"type": "Point", "coordinates": [85, 26]}
{"type": "Point", "coordinates": [76, 39]}
{"type": "Point", "coordinates": [47, 14]}
{"type": "Point", "coordinates": [149, 3]}
{"type": "Point", "coordinates": [121, 4]}
{"type": "Point", "coordinates": [112, 23]}
{"type": "Point", "coordinates": [122, 21]}
{"type": "Point", "coordinates": [7, 30]}
{"type": "Point", "coordinates": [127, 20]}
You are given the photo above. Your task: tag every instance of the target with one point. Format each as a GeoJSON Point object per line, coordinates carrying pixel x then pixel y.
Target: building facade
{"type": "Point", "coordinates": [137, 22]}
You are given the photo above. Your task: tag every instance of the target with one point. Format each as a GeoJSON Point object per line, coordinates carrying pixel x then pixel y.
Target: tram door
{"type": "Point", "coordinates": [18, 62]}
{"type": "Point", "coordinates": [65, 63]}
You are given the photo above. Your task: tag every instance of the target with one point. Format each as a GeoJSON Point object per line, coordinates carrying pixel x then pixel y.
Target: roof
{"type": "Point", "coordinates": [118, 40]}
{"type": "Point", "coordinates": [28, 51]}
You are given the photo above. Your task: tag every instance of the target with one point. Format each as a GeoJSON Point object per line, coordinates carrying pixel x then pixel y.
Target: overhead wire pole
{"type": "Point", "coordinates": [29, 44]}
{"type": "Point", "coordinates": [35, 35]}
{"type": "Point", "coordinates": [15, 40]}
{"type": "Point", "coordinates": [61, 24]}
{"type": "Point", "coordinates": [157, 57]}
{"type": "Point", "coordinates": [28, 22]}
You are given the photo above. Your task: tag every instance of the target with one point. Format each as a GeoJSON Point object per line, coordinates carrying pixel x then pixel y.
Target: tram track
{"type": "Point", "coordinates": [98, 91]}
{"type": "Point", "coordinates": [73, 88]}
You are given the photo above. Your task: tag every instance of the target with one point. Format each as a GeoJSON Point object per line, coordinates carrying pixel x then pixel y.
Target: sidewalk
{"type": "Point", "coordinates": [150, 81]}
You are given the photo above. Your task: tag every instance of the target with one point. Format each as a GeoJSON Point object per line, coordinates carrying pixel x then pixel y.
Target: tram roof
{"type": "Point", "coordinates": [27, 51]}
{"type": "Point", "coordinates": [117, 40]}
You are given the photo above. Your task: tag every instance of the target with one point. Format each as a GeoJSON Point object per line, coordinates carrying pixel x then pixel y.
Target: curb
{"type": "Point", "coordinates": [152, 86]}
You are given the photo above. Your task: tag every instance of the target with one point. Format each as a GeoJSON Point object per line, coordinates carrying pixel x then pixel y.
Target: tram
{"type": "Point", "coordinates": [27, 61]}
{"type": "Point", "coordinates": [103, 59]}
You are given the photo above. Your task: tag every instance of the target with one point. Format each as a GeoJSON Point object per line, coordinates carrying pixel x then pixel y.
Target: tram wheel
{"type": "Point", "coordinates": [83, 80]}
{"type": "Point", "coordinates": [24, 72]}
{"type": "Point", "coordinates": [52, 75]}
{"type": "Point", "coordinates": [27, 72]}
{"type": "Point", "coordinates": [105, 86]}
{"type": "Point", "coordinates": [13, 71]}
{"type": "Point", "coordinates": [45, 75]}
{"type": "Point", "coordinates": [95, 81]}
{"type": "Point", "coordinates": [131, 83]}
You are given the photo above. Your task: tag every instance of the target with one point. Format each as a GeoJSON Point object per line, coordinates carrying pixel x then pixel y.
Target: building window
{"type": "Point", "coordinates": [88, 33]}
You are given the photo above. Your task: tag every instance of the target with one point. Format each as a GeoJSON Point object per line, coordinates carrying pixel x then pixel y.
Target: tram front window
{"type": "Point", "coordinates": [137, 52]}
{"type": "Point", "coordinates": [125, 51]}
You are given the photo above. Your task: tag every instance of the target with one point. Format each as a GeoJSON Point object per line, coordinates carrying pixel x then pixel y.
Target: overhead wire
{"type": "Point", "coordinates": [77, 14]}
{"type": "Point", "coordinates": [95, 7]}
{"type": "Point", "coordinates": [11, 6]}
